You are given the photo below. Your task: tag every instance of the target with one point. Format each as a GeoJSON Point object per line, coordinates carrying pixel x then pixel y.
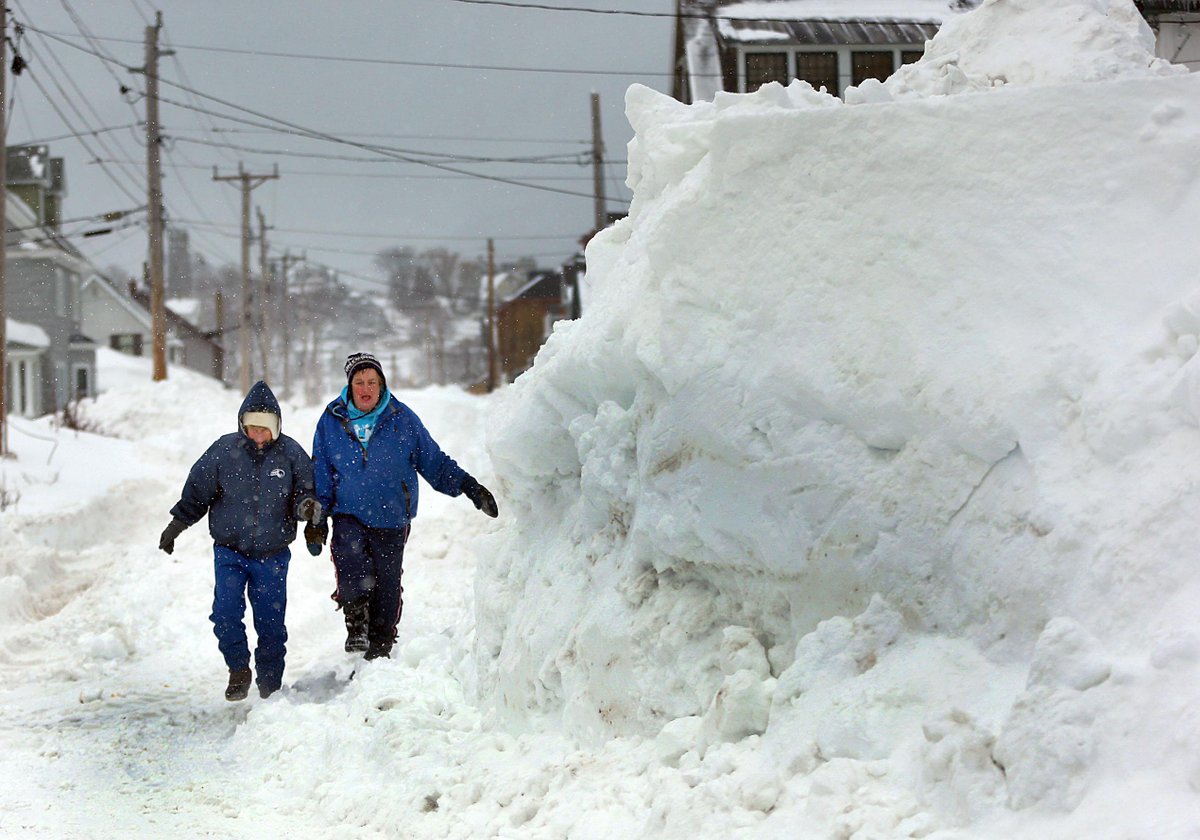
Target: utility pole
{"type": "Point", "coordinates": [491, 316]}
{"type": "Point", "coordinates": [158, 317]}
{"type": "Point", "coordinates": [286, 326]}
{"type": "Point", "coordinates": [3, 230]}
{"type": "Point", "coordinates": [248, 182]}
{"type": "Point", "coordinates": [264, 298]}
{"type": "Point", "coordinates": [219, 364]}
{"type": "Point", "coordinates": [598, 165]}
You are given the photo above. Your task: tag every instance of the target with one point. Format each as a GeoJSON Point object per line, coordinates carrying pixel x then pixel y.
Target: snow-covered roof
{"type": "Point", "coordinates": [933, 11]}
{"type": "Point", "coordinates": [31, 335]}
{"type": "Point", "coordinates": [186, 308]}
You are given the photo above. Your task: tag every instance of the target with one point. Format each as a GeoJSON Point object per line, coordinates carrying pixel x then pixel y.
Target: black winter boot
{"type": "Point", "coordinates": [239, 684]}
{"type": "Point", "coordinates": [376, 651]}
{"type": "Point", "coordinates": [357, 619]}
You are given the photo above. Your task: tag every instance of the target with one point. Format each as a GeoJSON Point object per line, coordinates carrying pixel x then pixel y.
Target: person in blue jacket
{"type": "Point", "coordinates": [368, 450]}
{"type": "Point", "coordinates": [255, 484]}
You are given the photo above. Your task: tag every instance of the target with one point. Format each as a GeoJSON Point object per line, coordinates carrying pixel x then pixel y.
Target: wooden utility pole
{"type": "Point", "coordinates": [264, 297]}
{"type": "Point", "coordinates": [286, 325]}
{"type": "Point", "coordinates": [3, 230]}
{"type": "Point", "coordinates": [248, 182]}
{"type": "Point", "coordinates": [158, 316]}
{"type": "Point", "coordinates": [598, 165]}
{"type": "Point", "coordinates": [219, 364]}
{"type": "Point", "coordinates": [491, 316]}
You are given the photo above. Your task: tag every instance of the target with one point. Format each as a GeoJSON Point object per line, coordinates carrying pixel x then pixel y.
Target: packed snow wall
{"type": "Point", "coordinates": [921, 366]}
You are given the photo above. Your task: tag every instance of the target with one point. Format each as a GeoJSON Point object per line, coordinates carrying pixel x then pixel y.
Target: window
{"type": "Point", "coordinates": [130, 343]}
{"type": "Point", "coordinates": [765, 67]}
{"type": "Point", "coordinates": [872, 64]}
{"type": "Point", "coordinates": [81, 382]}
{"type": "Point", "coordinates": [909, 56]}
{"type": "Point", "coordinates": [22, 389]}
{"type": "Point", "coordinates": [819, 69]}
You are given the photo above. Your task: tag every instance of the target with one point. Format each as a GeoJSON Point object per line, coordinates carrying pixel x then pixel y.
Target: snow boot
{"type": "Point", "coordinates": [239, 684]}
{"type": "Point", "coordinates": [357, 619]}
{"type": "Point", "coordinates": [377, 651]}
{"type": "Point", "coordinates": [265, 691]}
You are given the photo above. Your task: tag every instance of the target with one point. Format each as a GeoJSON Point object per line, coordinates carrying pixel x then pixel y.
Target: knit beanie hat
{"type": "Point", "coordinates": [358, 361]}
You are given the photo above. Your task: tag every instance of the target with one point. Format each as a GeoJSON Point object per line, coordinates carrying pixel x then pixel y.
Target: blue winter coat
{"type": "Point", "coordinates": [377, 484]}
{"type": "Point", "coordinates": [251, 496]}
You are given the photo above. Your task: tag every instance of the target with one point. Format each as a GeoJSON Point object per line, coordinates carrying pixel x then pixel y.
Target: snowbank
{"type": "Point", "coordinates": [876, 445]}
{"type": "Point", "coordinates": [1033, 42]}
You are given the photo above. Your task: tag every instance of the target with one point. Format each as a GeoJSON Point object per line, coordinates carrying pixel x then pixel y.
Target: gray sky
{"type": "Point", "coordinates": [336, 207]}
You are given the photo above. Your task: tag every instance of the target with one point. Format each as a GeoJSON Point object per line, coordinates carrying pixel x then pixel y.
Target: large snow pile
{"type": "Point", "coordinates": [875, 454]}
{"type": "Point", "coordinates": [1034, 42]}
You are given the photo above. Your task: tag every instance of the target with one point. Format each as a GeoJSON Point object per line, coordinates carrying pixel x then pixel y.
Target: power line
{"type": "Point", "coordinates": [319, 135]}
{"type": "Point", "coordinates": [92, 132]}
{"type": "Point", "coordinates": [120, 184]}
{"type": "Point", "coordinates": [563, 159]}
{"type": "Point", "coordinates": [545, 7]}
{"type": "Point", "coordinates": [353, 235]}
{"type": "Point", "coordinates": [396, 176]}
{"type": "Point", "coordinates": [394, 136]}
{"type": "Point", "coordinates": [437, 65]}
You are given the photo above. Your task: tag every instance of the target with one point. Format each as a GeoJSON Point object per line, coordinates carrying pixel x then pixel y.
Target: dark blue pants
{"type": "Point", "coordinates": [265, 581]}
{"type": "Point", "coordinates": [369, 563]}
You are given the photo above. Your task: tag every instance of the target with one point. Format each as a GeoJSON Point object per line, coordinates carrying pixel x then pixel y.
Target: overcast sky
{"type": "Point", "coordinates": [422, 77]}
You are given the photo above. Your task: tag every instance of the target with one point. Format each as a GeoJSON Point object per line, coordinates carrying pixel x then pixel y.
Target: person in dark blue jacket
{"type": "Point", "coordinates": [368, 450]}
{"type": "Point", "coordinates": [255, 484]}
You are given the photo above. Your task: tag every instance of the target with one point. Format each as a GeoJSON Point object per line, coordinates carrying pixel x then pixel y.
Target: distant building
{"type": "Point", "coordinates": [1176, 25]}
{"type": "Point", "coordinates": [44, 274]}
{"type": "Point", "coordinates": [120, 318]}
{"type": "Point", "coordinates": [524, 318]}
{"type": "Point", "coordinates": [738, 46]}
{"type": "Point", "coordinates": [723, 45]}
{"type": "Point", "coordinates": [179, 264]}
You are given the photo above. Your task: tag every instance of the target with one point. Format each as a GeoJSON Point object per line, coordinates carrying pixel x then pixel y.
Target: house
{"type": "Point", "coordinates": [524, 317]}
{"type": "Point", "coordinates": [26, 348]}
{"type": "Point", "coordinates": [1176, 25]}
{"type": "Point", "coordinates": [121, 320]}
{"type": "Point", "coordinates": [43, 276]}
{"type": "Point", "coordinates": [740, 45]}
{"type": "Point", "coordinates": [728, 45]}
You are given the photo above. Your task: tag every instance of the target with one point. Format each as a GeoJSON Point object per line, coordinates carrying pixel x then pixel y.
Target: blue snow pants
{"type": "Point", "coordinates": [265, 581]}
{"type": "Point", "coordinates": [369, 563]}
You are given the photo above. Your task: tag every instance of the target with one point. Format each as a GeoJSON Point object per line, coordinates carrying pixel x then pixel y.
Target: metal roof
{"type": "Point", "coordinates": [825, 32]}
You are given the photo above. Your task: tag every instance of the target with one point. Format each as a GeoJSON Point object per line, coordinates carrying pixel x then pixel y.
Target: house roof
{"type": "Point", "coordinates": [1167, 6]}
{"type": "Point", "coordinates": [139, 313]}
{"type": "Point", "coordinates": [542, 284]}
{"type": "Point", "coordinates": [29, 335]}
{"type": "Point", "coordinates": [826, 32]}
{"type": "Point", "coordinates": [142, 298]}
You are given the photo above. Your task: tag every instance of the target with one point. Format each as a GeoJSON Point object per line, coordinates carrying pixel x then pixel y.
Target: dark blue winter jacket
{"type": "Point", "coordinates": [377, 485]}
{"type": "Point", "coordinates": [251, 496]}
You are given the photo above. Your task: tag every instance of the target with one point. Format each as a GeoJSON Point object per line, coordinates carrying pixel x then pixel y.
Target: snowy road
{"type": "Point", "coordinates": [114, 723]}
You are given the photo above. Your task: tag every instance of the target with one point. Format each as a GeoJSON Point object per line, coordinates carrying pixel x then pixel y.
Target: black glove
{"type": "Point", "coordinates": [480, 496]}
{"type": "Point", "coordinates": [167, 541]}
{"type": "Point", "coordinates": [315, 536]}
{"type": "Point", "coordinates": [311, 510]}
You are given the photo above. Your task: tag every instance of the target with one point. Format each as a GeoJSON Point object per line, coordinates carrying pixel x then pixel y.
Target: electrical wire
{"type": "Point", "coordinates": [314, 134]}
{"type": "Point", "coordinates": [436, 65]}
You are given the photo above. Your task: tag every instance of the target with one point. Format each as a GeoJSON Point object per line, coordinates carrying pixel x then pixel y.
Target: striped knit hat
{"type": "Point", "coordinates": [357, 361]}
